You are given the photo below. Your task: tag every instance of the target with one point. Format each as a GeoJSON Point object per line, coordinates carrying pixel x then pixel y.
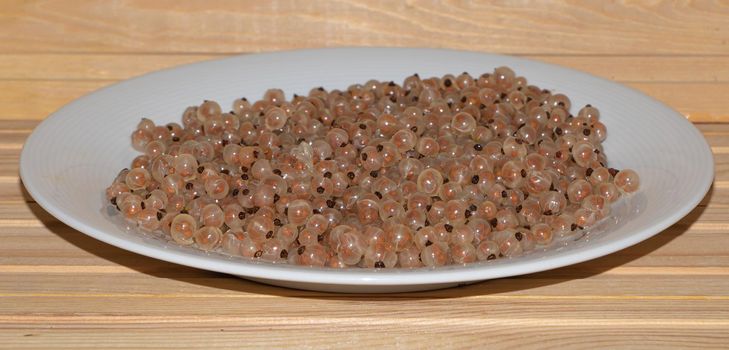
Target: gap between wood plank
{"type": "Point", "coordinates": [436, 320]}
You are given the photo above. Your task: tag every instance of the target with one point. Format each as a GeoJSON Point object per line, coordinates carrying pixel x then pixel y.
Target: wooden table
{"type": "Point", "coordinates": [60, 288]}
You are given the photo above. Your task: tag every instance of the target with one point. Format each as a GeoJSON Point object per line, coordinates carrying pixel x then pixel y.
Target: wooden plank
{"type": "Point", "coordinates": [9, 165]}
{"type": "Point", "coordinates": [249, 309]}
{"type": "Point", "coordinates": [641, 69]}
{"type": "Point", "coordinates": [420, 334]}
{"type": "Point", "coordinates": [17, 126]}
{"type": "Point", "coordinates": [142, 303]}
{"type": "Point", "coordinates": [166, 290]}
{"type": "Point", "coordinates": [13, 134]}
{"type": "Point", "coordinates": [12, 190]}
{"type": "Point", "coordinates": [35, 100]}
{"type": "Point", "coordinates": [42, 66]}
{"type": "Point", "coordinates": [186, 283]}
{"type": "Point", "coordinates": [548, 27]}
{"type": "Point", "coordinates": [699, 102]}
{"type": "Point", "coordinates": [652, 68]}
{"type": "Point", "coordinates": [12, 140]}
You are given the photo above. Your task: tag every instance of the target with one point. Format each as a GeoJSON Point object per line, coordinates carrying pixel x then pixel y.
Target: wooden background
{"type": "Point", "coordinates": [59, 288]}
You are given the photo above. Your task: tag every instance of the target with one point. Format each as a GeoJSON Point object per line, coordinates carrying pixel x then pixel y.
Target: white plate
{"type": "Point", "coordinates": [75, 153]}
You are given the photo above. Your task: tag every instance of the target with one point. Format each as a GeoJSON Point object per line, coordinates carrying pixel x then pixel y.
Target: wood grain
{"type": "Point", "coordinates": [300, 334]}
{"type": "Point", "coordinates": [657, 27]}
{"type": "Point", "coordinates": [62, 289]}
{"type": "Point", "coordinates": [622, 68]}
